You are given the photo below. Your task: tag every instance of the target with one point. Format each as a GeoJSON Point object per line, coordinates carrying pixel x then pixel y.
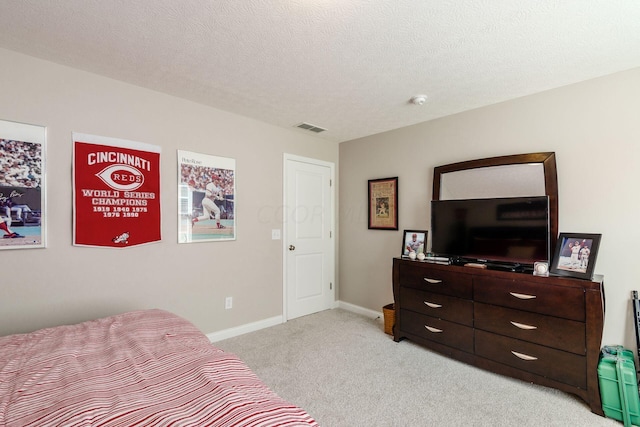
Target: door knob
{"type": "Point", "coordinates": [292, 248]}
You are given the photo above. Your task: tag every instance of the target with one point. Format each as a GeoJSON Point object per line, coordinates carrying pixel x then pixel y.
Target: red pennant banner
{"type": "Point", "coordinates": [116, 199]}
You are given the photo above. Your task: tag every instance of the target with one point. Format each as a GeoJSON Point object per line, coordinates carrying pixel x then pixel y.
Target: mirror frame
{"type": "Point", "coordinates": [548, 161]}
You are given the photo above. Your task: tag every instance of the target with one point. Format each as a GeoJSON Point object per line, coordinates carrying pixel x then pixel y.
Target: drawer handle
{"type": "Point", "coordinates": [522, 296]}
{"type": "Point", "coordinates": [523, 356]}
{"type": "Point", "coordinates": [432, 280]}
{"type": "Point", "coordinates": [434, 330]}
{"type": "Point", "coordinates": [432, 305]}
{"type": "Point", "coordinates": [523, 326]}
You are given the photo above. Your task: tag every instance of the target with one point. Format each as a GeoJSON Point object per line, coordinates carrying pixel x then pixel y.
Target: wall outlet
{"type": "Point", "coordinates": [228, 303]}
{"type": "Point", "coordinates": [275, 234]}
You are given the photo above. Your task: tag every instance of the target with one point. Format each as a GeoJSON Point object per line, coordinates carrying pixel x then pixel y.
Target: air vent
{"type": "Point", "coordinates": [310, 127]}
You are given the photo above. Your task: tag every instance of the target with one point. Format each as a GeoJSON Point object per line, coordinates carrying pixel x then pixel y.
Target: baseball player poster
{"type": "Point", "coordinates": [22, 194]}
{"type": "Point", "coordinates": [206, 198]}
{"type": "Point", "coordinates": [116, 192]}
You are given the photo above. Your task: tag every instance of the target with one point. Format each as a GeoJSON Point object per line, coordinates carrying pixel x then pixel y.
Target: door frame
{"type": "Point", "coordinates": [332, 168]}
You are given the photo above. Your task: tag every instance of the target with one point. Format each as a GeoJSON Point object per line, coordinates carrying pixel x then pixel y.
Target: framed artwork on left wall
{"type": "Point", "coordinates": [22, 185]}
{"type": "Point", "coordinates": [206, 198]}
{"type": "Point", "coordinates": [383, 203]}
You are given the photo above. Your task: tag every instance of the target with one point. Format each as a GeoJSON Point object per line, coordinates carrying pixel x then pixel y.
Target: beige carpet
{"type": "Point", "coordinates": [346, 372]}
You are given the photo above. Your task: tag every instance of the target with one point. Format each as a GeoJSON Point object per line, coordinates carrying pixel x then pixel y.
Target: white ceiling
{"type": "Point", "coordinates": [349, 66]}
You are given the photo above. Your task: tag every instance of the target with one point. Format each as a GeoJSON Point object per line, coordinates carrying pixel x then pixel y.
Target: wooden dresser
{"type": "Point", "coordinates": [545, 330]}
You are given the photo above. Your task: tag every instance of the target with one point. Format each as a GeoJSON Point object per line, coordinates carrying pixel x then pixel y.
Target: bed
{"type": "Point", "coordinates": [141, 368]}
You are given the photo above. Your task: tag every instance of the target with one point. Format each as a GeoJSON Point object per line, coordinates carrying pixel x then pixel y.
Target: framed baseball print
{"type": "Point", "coordinates": [383, 204]}
{"type": "Point", "coordinates": [206, 198]}
{"type": "Point", "coordinates": [22, 185]}
{"type": "Point", "coordinates": [576, 255]}
{"type": "Point", "coordinates": [414, 241]}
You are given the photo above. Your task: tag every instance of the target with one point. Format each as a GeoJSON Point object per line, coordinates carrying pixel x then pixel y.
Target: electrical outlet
{"type": "Point", "coordinates": [228, 303]}
{"type": "Point", "coordinates": [275, 234]}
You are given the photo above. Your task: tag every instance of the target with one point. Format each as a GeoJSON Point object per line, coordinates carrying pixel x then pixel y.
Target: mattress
{"type": "Point", "coordinates": [141, 368]}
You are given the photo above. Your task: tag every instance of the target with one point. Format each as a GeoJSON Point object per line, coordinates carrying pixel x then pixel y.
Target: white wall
{"type": "Point", "coordinates": [66, 284]}
{"type": "Point", "coordinates": [594, 129]}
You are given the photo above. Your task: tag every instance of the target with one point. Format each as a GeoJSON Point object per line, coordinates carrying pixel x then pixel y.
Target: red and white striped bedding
{"type": "Point", "coordinates": [142, 368]}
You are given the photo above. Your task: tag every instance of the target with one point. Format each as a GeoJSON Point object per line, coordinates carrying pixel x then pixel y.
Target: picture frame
{"type": "Point", "coordinates": [575, 255]}
{"type": "Point", "coordinates": [206, 198]}
{"type": "Point", "coordinates": [383, 204]}
{"type": "Point", "coordinates": [23, 211]}
{"type": "Point", "coordinates": [418, 243]}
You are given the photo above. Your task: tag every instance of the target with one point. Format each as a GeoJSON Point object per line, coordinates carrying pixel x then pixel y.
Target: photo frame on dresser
{"type": "Point", "coordinates": [575, 255]}
{"type": "Point", "coordinates": [414, 240]}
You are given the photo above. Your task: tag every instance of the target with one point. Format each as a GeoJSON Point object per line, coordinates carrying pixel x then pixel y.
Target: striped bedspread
{"type": "Point", "coordinates": [142, 368]}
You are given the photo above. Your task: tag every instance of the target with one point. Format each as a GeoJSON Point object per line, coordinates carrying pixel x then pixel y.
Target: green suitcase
{"type": "Point", "coordinates": [619, 385]}
{"type": "Point", "coordinates": [617, 350]}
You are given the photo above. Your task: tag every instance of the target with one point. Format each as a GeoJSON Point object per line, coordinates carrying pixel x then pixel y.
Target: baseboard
{"type": "Point", "coordinates": [273, 321]}
{"type": "Point", "coordinates": [360, 310]}
{"type": "Point", "coordinates": [244, 329]}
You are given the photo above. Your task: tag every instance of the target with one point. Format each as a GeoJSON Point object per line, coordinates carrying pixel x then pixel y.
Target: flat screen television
{"type": "Point", "coordinates": [511, 231]}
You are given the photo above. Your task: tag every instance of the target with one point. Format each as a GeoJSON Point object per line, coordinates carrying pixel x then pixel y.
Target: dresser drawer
{"type": "Point", "coordinates": [438, 330]}
{"type": "Point", "coordinates": [423, 276]}
{"type": "Point", "coordinates": [560, 301]}
{"type": "Point", "coordinates": [437, 305]}
{"type": "Point", "coordinates": [563, 334]}
{"type": "Point", "coordinates": [568, 368]}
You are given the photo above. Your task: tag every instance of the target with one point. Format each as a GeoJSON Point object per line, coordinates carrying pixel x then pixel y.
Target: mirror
{"type": "Point", "coordinates": [519, 175]}
{"type": "Point", "coordinates": [493, 181]}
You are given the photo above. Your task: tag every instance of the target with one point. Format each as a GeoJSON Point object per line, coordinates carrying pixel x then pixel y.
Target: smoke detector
{"type": "Point", "coordinates": [419, 99]}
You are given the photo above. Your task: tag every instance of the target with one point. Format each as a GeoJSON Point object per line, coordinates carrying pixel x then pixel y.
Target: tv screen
{"type": "Point", "coordinates": [512, 230]}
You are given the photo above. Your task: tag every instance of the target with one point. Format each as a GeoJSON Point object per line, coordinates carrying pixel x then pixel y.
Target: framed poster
{"type": "Point", "coordinates": [414, 241]}
{"type": "Point", "coordinates": [22, 185]}
{"type": "Point", "coordinates": [383, 203]}
{"type": "Point", "coordinates": [576, 255]}
{"type": "Point", "coordinates": [116, 192]}
{"type": "Point", "coordinates": [206, 198]}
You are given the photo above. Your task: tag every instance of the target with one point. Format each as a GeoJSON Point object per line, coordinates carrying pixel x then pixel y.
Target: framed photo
{"type": "Point", "coordinates": [206, 198]}
{"type": "Point", "coordinates": [383, 203]}
{"type": "Point", "coordinates": [576, 255]}
{"type": "Point", "coordinates": [22, 185]}
{"type": "Point", "coordinates": [414, 240]}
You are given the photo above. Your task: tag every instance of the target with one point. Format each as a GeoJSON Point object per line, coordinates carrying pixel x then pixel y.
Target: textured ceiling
{"type": "Point", "coordinates": [345, 65]}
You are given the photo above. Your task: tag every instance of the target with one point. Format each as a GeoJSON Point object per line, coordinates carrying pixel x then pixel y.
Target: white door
{"type": "Point", "coordinates": [308, 236]}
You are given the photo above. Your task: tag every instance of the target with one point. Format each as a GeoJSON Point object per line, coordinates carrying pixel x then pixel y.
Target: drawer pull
{"type": "Point", "coordinates": [432, 305]}
{"type": "Point", "coordinates": [523, 326]}
{"type": "Point", "coordinates": [432, 280]}
{"type": "Point", "coordinates": [522, 296]}
{"type": "Point", "coordinates": [434, 330]}
{"type": "Point", "coordinates": [523, 356]}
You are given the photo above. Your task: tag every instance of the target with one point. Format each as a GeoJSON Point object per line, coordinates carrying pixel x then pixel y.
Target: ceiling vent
{"type": "Point", "coordinates": [310, 127]}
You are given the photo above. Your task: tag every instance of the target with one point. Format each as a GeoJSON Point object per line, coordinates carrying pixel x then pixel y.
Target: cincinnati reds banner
{"type": "Point", "coordinates": [116, 184]}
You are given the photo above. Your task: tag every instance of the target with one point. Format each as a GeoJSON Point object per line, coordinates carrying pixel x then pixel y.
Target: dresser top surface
{"type": "Point", "coordinates": [595, 283]}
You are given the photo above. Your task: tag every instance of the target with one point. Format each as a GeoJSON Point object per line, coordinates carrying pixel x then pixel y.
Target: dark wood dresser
{"type": "Point", "coordinates": [545, 330]}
